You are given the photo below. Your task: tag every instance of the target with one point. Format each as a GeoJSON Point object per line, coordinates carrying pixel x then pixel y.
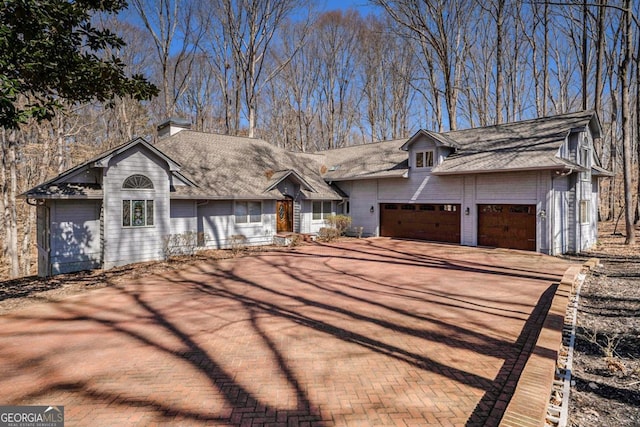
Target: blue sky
{"type": "Point", "coordinates": [362, 5]}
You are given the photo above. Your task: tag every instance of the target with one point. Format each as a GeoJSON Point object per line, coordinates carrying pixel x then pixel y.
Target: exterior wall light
{"type": "Point", "coordinates": [372, 209]}
{"type": "Point", "coordinates": [467, 211]}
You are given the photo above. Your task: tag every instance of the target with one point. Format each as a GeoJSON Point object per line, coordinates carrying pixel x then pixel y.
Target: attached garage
{"type": "Point", "coordinates": [440, 223]}
{"type": "Point", "coordinates": [507, 226]}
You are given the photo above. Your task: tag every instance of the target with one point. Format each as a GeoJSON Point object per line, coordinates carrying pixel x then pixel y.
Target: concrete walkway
{"type": "Point", "coordinates": [367, 332]}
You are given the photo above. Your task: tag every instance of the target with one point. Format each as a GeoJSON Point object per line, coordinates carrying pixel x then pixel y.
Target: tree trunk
{"type": "Point", "coordinates": [627, 149]}
{"type": "Point", "coordinates": [545, 59]}
{"type": "Point", "coordinates": [25, 255]}
{"type": "Point", "coordinates": [637, 102]}
{"type": "Point", "coordinates": [9, 192]}
{"type": "Point", "coordinates": [584, 64]}
{"type": "Point", "coordinates": [597, 104]}
{"type": "Point", "coordinates": [499, 72]}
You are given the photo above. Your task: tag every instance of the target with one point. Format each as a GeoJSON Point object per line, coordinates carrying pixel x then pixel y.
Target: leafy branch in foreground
{"type": "Point", "coordinates": [51, 52]}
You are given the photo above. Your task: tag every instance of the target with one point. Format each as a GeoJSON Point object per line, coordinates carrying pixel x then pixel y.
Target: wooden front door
{"type": "Point", "coordinates": [284, 215]}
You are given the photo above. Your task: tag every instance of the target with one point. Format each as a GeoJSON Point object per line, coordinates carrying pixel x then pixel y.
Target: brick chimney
{"type": "Point", "coordinates": [172, 126]}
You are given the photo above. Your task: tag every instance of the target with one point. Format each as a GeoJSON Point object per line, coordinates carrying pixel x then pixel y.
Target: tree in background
{"type": "Point", "coordinates": [50, 57]}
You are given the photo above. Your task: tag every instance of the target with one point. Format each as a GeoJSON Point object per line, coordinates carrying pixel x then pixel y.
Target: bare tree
{"type": "Point", "coordinates": [250, 27]}
{"type": "Point", "coordinates": [624, 74]}
{"type": "Point", "coordinates": [8, 192]}
{"type": "Point", "coordinates": [385, 62]}
{"type": "Point", "coordinates": [440, 26]}
{"type": "Point", "coordinates": [176, 37]}
{"type": "Point", "coordinates": [337, 47]}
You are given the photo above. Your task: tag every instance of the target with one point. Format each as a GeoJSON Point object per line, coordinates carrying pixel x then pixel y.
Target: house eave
{"type": "Point", "coordinates": [27, 196]}
{"type": "Point", "coordinates": [401, 174]}
{"type": "Point", "coordinates": [524, 169]}
{"type": "Point", "coordinates": [439, 139]}
{"type": "Point", "coordinates": [297, 176]}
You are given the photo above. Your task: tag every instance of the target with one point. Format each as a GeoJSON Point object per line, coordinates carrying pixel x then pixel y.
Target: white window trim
{"type": "Point", "coordinates": [248, 222]}
{"type": "Point", "coordinates": [323, 214]}
{"type": "Point", "coordinates": [146, 214]}
{"type": "Point", "coordinates": [584, 162]}
{"type": "Point", "coordinates": [424, 158]}
{"type": "Point", "coordinates": [585, 211]}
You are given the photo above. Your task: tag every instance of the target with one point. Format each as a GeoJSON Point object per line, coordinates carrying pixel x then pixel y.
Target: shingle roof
{"type": "Point", "coordinates": [375, 160]}
{"type": "Point", "coordinates": [226, 166]}
{"type": "Point", "coordinates": [230, 167]}
{"type": "Point", "coordinates": [529, 144]}
{"type": "Point", "coordinates": [53, 188]}
{"type": "Point", "coordinates": [66, 191]}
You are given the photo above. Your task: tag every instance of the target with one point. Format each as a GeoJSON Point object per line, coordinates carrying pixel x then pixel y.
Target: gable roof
{"type": "Point", "coordinates": [231, 167]}
{"type": "Point", "coordinates": [280, 176]}
{"type": "Point", "coordinates": [439, 138]}
{"type": "Point", "coordinates": [525, 145]}
{"type": "Point", "coordinates": [367, 161]}
{"type": "Point", "coordinates": [57, 188]}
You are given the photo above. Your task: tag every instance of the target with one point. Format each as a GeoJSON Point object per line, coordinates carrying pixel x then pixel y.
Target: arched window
{"type": "Point", "coordinates": [138, 182]}
{"type": "Point", "coordinates": [137, 213]}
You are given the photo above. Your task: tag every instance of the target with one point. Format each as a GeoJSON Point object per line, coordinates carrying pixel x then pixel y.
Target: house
{"type": "Point", "coordinates": [530, 185]}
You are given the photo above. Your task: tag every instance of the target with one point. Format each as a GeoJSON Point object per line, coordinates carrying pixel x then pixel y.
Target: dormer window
{"type": "Point", "coordinates": [424, 159]}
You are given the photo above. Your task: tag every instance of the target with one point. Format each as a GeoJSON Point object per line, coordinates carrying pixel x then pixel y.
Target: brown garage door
{"type": "Point", "coordinates": [440, 223]}
{"type": "Point", "coordinates": [507, 226]}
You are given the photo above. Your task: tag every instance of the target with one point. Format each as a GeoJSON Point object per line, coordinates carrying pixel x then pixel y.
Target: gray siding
{"type": "Point", "coordinates": [421, 186]}
{"type": "Point", "coordinates": [216, 220]}
{"type": "Point", "coordinates": [75, 236]}
{"type": "Point", "coordinates": [468, 229]}
{"type": "Point", "coordinates": [513, 187]}
{"type": "Point", "coordinates": [560, 215]}
{"type": "Point", "coordinates": [125, 245]}
{"type": "Point", "coordinates": [363, 195]}
{"type": "Point", "coordinates": [183, 216]}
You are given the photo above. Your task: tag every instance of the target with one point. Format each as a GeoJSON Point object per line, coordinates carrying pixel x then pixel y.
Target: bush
{"type": "Point", "coordinates": [238, 243]}
{"type": "Point", "coordinates": [338, 222]}
{"type": "Point", "coordinates": [181, 244]}
{"type": "Point", "coordinates": [328, 234]}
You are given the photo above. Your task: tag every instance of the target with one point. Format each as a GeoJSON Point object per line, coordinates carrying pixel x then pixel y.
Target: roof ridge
{"type": "Point", "coordinates": [520, 122]}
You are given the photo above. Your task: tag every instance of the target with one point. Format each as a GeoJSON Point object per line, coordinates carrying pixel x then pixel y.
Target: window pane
{"type": "Point", "coordinates": [241, 212]}
{"type": "Point", "coordinates": [255, 211]}
{"type": "Point", "coordinates": [138, 213]}
{"type": "Point", "coordinates": [137, 182]}
{"type": "Point", "coordinates": [584, 211]}
{"type": "Point", "coordinates": [126, 213]}
{"type": "Point", "coordinates": [149, 212]}
{"type": "Point", "coordinates": [326, 209]}
{"type": "Point", "coordinates": [419, 160]}
{"type": "Point", "coordinates": [317, 210]}
{"type": "Point", "coordinates": [429, 159]}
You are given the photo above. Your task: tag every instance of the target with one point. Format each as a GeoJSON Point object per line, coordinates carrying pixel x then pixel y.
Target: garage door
{"type": "Point", "coordinates": [507, 226]}
{"type": "Point", "coordinates": [440, 223]}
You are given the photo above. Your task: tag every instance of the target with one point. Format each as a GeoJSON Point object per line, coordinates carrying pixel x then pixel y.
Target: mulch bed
{"type": "Point", "coordinates": [606, 369]}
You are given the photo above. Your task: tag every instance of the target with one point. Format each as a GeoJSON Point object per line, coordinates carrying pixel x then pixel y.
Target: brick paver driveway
{"type": "Point", "coordinates": [367, 332]}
